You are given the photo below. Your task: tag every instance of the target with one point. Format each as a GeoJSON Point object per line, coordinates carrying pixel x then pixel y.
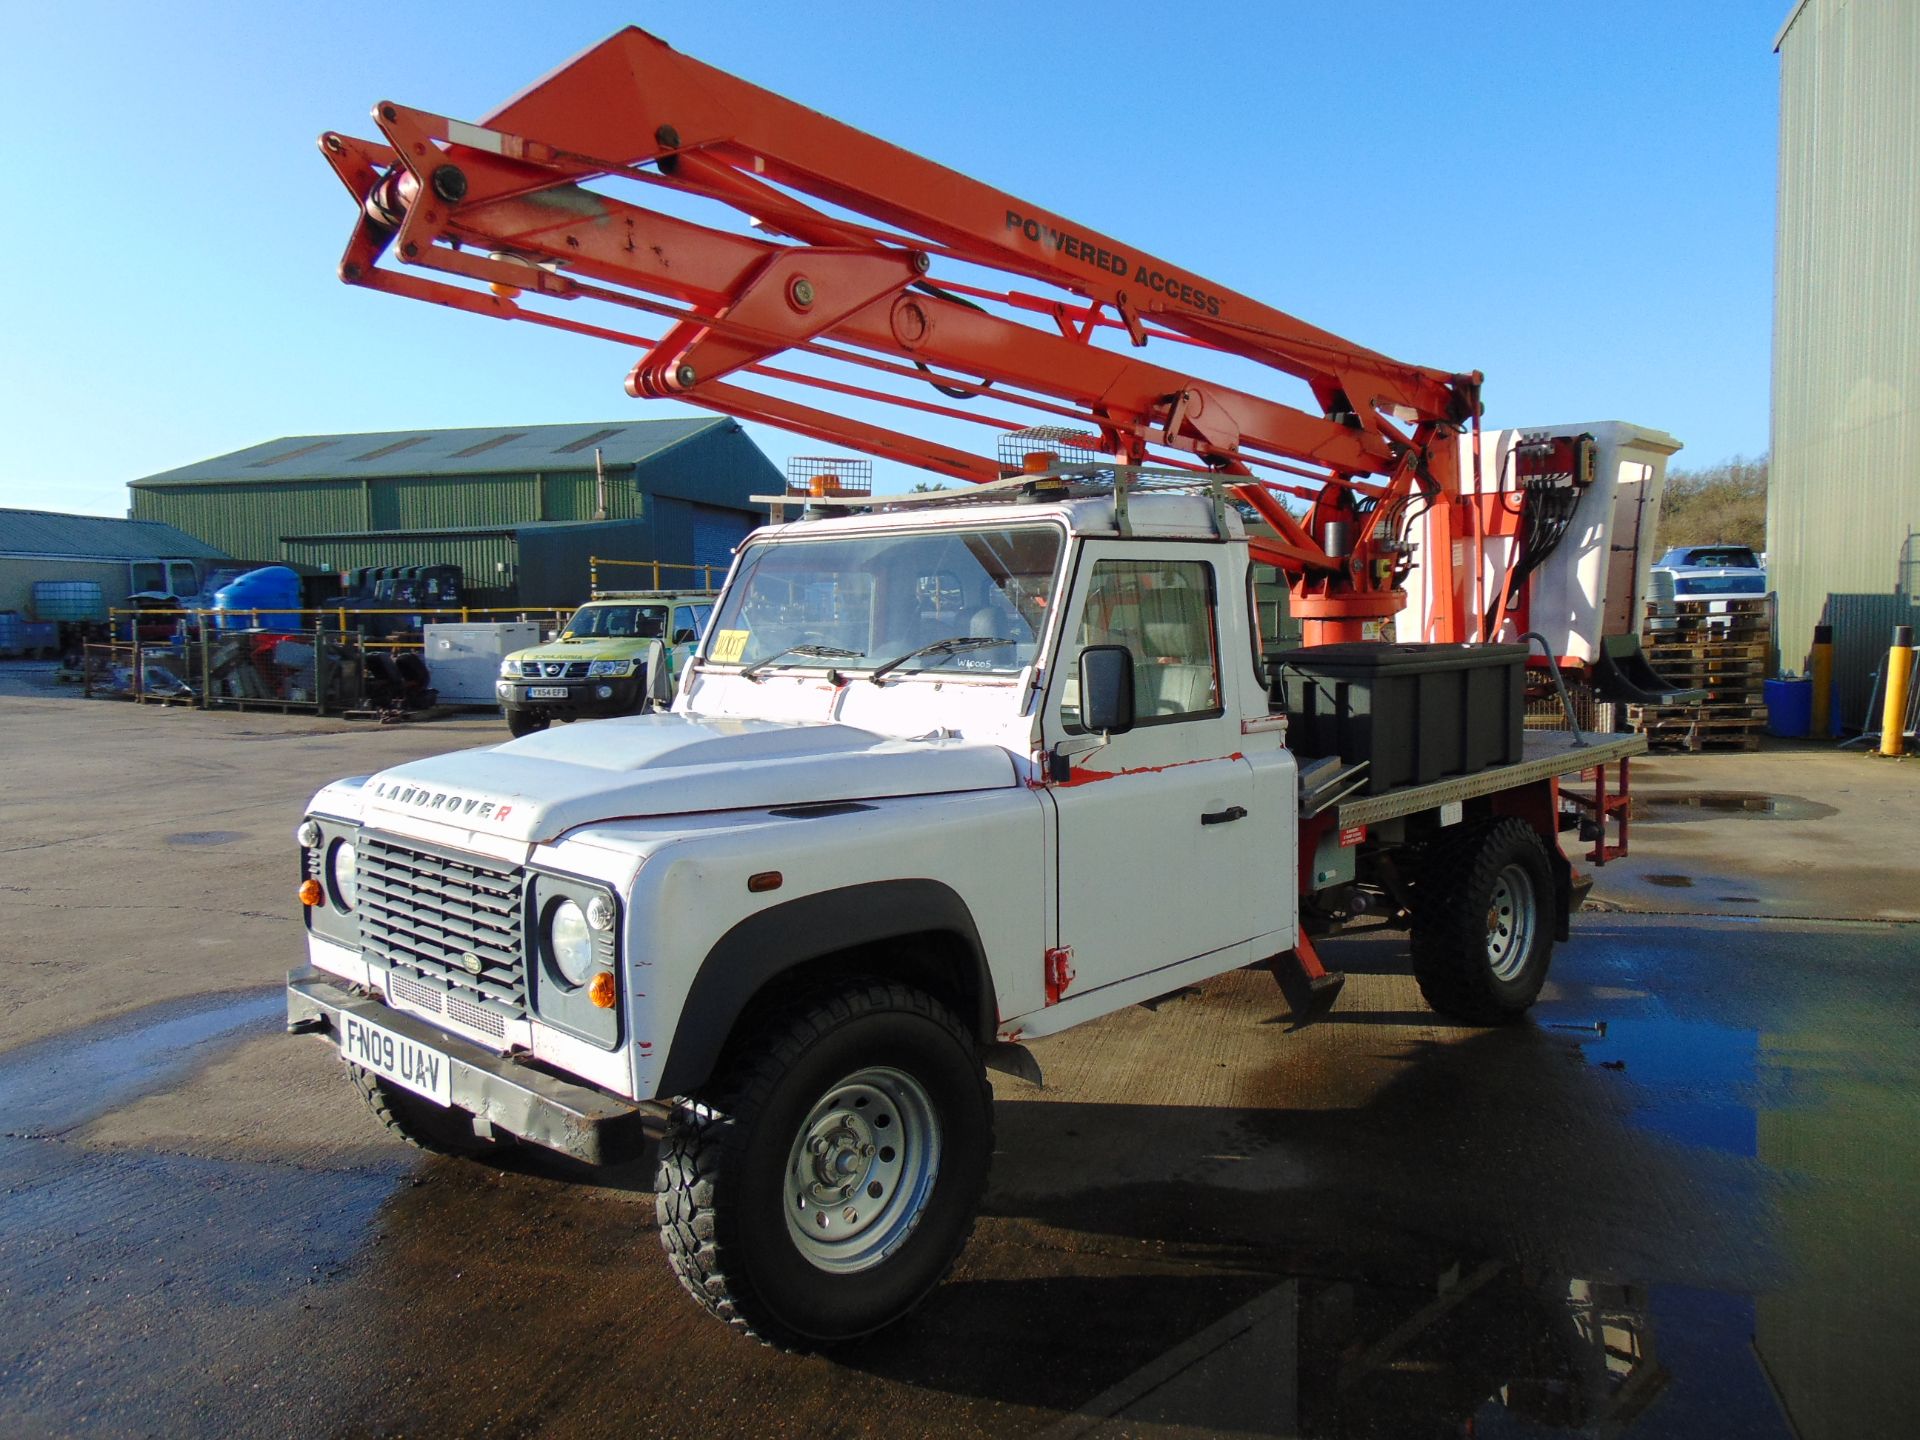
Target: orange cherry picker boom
{"type": "Point", "coordinates": [847, 275]}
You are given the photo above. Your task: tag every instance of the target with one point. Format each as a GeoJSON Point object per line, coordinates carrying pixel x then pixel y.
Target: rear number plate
{"type": "Point", "coordinates": [546, 692]}
{"type": "Point", "coordinates": [394, 1057]}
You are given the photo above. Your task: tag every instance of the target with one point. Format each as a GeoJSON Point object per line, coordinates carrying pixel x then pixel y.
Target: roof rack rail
{"type": "Point", "coordinates": [1077, 481]}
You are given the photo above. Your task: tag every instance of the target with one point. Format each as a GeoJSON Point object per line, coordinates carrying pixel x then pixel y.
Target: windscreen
{"type": "Point", "coordinates": [1725, 557]}
{"type": "Point", "coordinates": [617, 622]}
{"type": "Point", "coordinates": [878, 598]}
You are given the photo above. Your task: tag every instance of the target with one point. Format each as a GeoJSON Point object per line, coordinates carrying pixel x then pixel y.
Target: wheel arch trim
{"type": "Point", "coordinates": [770, 943]}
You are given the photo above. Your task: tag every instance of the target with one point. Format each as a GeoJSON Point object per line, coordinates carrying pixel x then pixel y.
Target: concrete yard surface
{"type": "Point", "coordinates": [1675, 1202]}
{"type": "Point", "coordinates": [1798, 830]}
{"type": "Point", "coordinates": [151, 848]}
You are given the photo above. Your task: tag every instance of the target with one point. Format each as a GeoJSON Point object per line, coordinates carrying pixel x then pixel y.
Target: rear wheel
{"type": "Point", "coordinates": [421, 1123]}
{"type": "Point", "coordinates": [1483, 924]}
{"type": "Point", "coordinates": [526, 722]}
{"type": "Point", "coordinates": [828, 1178]}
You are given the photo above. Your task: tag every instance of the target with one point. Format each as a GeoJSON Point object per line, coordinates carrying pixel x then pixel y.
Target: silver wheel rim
{"type": "Point", "coordinates": [1510, 922]}
{"type": "Point", "coordinates": [861, 1169]}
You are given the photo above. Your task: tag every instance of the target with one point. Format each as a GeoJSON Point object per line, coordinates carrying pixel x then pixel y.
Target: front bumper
{"type": "Point", "coordinates": [583, 698]}
{"type": "Point", "coordinates": [532, 1104]}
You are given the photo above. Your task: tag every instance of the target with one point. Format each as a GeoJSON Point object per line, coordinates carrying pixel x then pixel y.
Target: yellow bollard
{"type": "Point", "coordinates": [1820, 671]}
{"type": "Point", "coordinates": [1893, 719]}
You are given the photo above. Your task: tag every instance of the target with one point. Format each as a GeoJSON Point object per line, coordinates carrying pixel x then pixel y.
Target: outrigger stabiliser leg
{"type": "Point", "coordinates": [1309, 986]}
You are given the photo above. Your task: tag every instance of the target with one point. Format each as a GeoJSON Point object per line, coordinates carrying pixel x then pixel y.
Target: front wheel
{"type": "Point", "coordinates": [1483, 924]}
{"type": "Point", "coordinates": [526, 722]}
{"type": "Point", "coordinates": [420, 1122]}
{"type": "Point", "coordinates": [828, 1178]}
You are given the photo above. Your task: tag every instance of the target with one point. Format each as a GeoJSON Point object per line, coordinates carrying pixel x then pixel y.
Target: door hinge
{"type": "Point", "coordinates": [1059, 963]}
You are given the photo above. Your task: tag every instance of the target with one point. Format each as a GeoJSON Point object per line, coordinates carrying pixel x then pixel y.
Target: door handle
{"type": "Point", "coordinates": [1224, 817]}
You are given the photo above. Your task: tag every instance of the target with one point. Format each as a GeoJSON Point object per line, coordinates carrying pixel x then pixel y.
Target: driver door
{"type": "Point", "coordinates": [1150, 828]}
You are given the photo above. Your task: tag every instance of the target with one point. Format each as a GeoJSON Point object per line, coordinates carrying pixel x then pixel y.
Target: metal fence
{"type": "Point", "coordinates": [1862, 627]}
{"type": "Point", "coordinates": [138, 672]}
{"type": "Point", "coordinates": [250, 669]}
{"type": "Point", "coordinates": [369, 627]}
{"type": "Point", "coordinates": [652, 574]}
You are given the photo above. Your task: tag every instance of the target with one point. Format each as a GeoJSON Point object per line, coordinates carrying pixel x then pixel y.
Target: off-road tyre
{"type": "Point", "coordinates": [526, 722]}
{"type": "Point", "coordinates": [1483, 923]}
{"type": "Point", "coordinates": [724, 1180]}
{"type": "Point", "coordinates": [421, 1123]}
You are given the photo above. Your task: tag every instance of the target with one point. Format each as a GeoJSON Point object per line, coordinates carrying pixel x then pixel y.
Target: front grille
{"type": "Point", "coordinates": [452, 1006]}
{"type": "Point", "coordinates": [403, 989]}
{"type": "Point", "coordinates": [423, 912]}
{"type": "Point", "coordinates": [554, 669]}
{"type": "Point", "coordinates": [473, 1015]}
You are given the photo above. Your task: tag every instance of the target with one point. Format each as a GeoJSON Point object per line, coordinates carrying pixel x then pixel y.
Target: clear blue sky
{"type": "Point", "coordinates": [1576, 199]}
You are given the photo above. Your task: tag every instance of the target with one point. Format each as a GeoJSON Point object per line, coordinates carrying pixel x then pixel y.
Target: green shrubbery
{"type": "Point", "coordinates": [1719, 504]}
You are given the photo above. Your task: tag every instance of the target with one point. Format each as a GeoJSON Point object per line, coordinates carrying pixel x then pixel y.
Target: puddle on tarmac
{"type": "Point", "coordinates": [51, 1086]}
{"type": "Point", "coordinates": [126, 1272]}
{"type": "Point", "coordinates": [1671, 882]}
{"type": "Point", "coordinates": [206, 837]}
{"type": "Point", "coordinates": [1692, 1082]}
{"type": "Point", "coordinates": [1663, 808]}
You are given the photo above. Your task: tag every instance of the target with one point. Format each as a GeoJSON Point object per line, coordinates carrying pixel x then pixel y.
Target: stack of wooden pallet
{"type": "Point", "coordinates": [1720, 646]}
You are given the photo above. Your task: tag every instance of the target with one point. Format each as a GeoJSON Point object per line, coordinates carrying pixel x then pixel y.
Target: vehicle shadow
{"type": "Point", "coordinates": [1309, 1262]}
{"type": "Point", "coordinates": [1500, 1155]}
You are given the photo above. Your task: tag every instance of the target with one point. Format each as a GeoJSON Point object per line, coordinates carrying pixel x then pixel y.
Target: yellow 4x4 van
{"type": "Point", "coordinates": [598, 664]}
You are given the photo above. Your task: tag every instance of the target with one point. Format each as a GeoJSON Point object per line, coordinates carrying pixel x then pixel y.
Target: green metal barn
{"type": "Point", "coordinates": [519, 509]}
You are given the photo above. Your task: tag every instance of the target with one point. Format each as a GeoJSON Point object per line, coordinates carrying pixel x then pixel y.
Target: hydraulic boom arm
{"type": "Point", "coordinates": [846, 288]}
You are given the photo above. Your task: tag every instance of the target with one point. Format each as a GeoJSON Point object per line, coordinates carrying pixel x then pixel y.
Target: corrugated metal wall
{"type": "Point", "coordinates": [554, 560]}
{"type": "Point", "coordinates": [1845, 483]}
{"type": "Point", "coordinates": [572, 496]}
{"type": "Point", "coordinates": [1863, 627]}
{"type": "Point", "coordinates": [248, 519]}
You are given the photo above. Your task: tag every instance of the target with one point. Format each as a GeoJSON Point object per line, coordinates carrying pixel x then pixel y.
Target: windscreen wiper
{"type": "Point", "coordinates": [952, 645]}
{"type": "Point", "coordinates": [806, 652]}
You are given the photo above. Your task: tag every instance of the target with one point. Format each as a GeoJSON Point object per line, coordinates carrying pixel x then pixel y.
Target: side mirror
{"type": "Point", "coordinates": [660, 685]}
{"type": "Point", "coordinates": [1106, 689]}
{"type": "Point", "coordinates": [685, 637]}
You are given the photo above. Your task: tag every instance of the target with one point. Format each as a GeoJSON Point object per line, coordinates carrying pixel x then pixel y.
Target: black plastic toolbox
{"type": "Point", "coordinates": [1415, 713]}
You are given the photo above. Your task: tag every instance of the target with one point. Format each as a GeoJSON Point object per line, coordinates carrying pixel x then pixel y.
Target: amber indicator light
{"type": "Point", "coordinates": [600, 990]}
{"type": "Point", "coordinates": [765, 880]}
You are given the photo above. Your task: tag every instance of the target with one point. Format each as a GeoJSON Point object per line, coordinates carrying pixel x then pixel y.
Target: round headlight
{"type": "Point", "coordinates": [569, 942]}
{"type": "Point", "coordinates": [307, 836]}
{"type": "Point", "coordinates": [343, 875]}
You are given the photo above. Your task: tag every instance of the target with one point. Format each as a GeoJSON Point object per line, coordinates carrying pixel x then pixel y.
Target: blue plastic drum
{"type": "Point", "coordinates": [1789, 708]}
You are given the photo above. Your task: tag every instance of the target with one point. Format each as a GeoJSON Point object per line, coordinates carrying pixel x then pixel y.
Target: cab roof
{"type": "Point", "coordinates": [1171, 516]}
{"type": "Point", "coordinates": [629, 597]}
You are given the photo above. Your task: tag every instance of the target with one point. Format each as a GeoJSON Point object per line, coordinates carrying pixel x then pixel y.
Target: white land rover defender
{"type": "Point", "coordinates": [940, 779]}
